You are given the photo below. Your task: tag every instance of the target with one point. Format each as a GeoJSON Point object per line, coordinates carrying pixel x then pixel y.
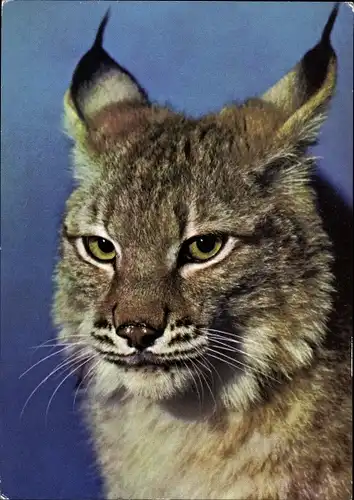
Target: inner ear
{"type": "Point", "coordinates": [99, 81]}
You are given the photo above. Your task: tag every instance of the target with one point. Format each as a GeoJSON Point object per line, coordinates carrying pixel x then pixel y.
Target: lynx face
{"type": "Point", "coordinates": [192, 253]}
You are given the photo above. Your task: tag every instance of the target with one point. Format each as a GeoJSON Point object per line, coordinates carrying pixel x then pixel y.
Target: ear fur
{"type": "Point", "coordinates": [98, 82]}
{"type": "Point", "coordinates": [303, 94]}
{"type": "Point", "coordinates": [301, 99]}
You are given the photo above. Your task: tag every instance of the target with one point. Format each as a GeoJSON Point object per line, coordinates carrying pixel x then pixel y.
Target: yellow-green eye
{"type": "Point", "coordinates": [100, 248]}
{"type": "Point", "coordinates": [204, 247]}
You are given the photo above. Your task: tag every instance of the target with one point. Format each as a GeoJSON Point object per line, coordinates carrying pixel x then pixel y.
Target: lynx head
{"type": "Point", "coordinates": [191, 248]}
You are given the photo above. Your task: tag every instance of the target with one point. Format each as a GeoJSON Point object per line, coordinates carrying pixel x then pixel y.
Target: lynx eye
{"type": "Point", "coordinates": [204, 247]}
{"type": "Point", "coordinates": [99, 248]}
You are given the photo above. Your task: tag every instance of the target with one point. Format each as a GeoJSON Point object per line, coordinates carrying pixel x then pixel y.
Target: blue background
{"type": "Point", "coordinates": [194, 55]}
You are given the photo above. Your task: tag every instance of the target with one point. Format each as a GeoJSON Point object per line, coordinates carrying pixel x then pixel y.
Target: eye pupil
{"type": "Point", "coordinates": [104, 245]}
{"type": "Point", "coordinates": [206, 244]}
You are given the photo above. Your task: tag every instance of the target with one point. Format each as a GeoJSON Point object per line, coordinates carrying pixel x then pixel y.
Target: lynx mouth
{"type": "Point", "coordinates": [151, 361]}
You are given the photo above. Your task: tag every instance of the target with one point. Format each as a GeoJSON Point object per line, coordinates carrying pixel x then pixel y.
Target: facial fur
{"type": "Point", "coordinates": [194, 290]}
{"type": "Point", "coordinates": [150, 179]}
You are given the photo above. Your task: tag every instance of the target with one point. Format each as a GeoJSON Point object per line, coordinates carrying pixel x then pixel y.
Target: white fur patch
{"type": "Point", "coordinates": [113, 87]}
{"type": "Point", "coordinates": [161, 344]}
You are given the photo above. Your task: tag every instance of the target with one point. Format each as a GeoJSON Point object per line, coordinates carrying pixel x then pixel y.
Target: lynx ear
{"type": "Point", "coordinates": [303, 94]}
{"type": "Point", "coordinates": [97, 82]}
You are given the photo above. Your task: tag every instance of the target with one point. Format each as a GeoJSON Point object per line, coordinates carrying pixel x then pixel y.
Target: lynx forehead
{"type": "Point", "coordinates": [195, 280]}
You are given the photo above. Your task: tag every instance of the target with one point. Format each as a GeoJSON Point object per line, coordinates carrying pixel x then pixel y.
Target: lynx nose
{"type": "Point", "coordinates": [138, 335]}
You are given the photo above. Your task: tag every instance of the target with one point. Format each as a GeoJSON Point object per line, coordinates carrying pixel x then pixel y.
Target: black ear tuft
{"type": "Point", "coordinates": [100, 32]}
{"type": "Point", "coordinates": [327, 30]}
{"type": "Point", "coordinates": [92, 70]}
{"type": "Point", "coordinates": [314, 65]}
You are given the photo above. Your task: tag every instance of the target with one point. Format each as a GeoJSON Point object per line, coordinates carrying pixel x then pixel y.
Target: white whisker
{"type": "Point", "coordinates": [226, 347]}
{"type": "Point", "coordinates": [41, 361]}
{"type": "Point", "coordinates": [200, 375]}
{"type": "Point", "coordinates": [194, 381]}
{"type": "Point", "coordinates": [59, 341]}
{"type": "Point", "coordinates": [86, 376]}
{"type": "Point", "coordinates": [236, 364]}
{"type": "Point", "coordinates": [77, 355]}
{"type": "Point", "coordinates": [64, 363]}
{"type": "Point", "coordinates": [81, 363]}
{"type": "Point", "coordinates": [59, 344]}
{"type": "Point", "coordinates": [212, 368]}
{"type": "Point", "coordinates": [231, 336]}
{"type": "Point", "coordinates": [205, 379]}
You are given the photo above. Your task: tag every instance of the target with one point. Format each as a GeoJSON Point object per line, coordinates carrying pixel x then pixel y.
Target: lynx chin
{"type": "Point", "coordinates": [195, 290]}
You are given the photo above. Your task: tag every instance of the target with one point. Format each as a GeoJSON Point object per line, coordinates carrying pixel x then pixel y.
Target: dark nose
{"type": "Point", "coordinates": [138, 335]}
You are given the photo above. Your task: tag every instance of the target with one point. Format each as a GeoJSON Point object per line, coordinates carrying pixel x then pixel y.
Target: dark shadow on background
{"type": "Point", "coordinates": [337, 218]}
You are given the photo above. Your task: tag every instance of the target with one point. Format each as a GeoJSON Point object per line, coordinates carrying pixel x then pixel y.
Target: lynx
{"type": "Point", "coordinates": [195, 290]}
